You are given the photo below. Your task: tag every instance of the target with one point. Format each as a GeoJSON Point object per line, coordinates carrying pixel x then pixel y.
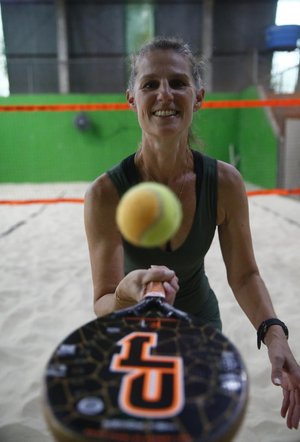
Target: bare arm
{"type": "Point", "coordinates": [249, 288]}
{"type": "Point", "coordinates": [236, 245]}
{"type": "Point", "coordinates": [112, 289]}
{"type": "Point", "coordinates": [104, 242]}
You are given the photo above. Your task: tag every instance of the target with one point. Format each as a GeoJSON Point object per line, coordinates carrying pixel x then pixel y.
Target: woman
{"type": "Point", "coordinates": [165, 90]}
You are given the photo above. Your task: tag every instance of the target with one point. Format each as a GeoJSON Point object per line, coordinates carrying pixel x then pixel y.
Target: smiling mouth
{"type": "Point", "coordinates": [165, 113]}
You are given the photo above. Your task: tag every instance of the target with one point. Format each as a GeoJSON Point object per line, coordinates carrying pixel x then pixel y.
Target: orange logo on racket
{"type": "Point", "coordinates": [153, 385]}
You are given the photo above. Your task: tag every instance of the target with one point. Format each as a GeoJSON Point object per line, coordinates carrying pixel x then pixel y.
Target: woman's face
{"type": "Point", "coordinates": [164, 94]}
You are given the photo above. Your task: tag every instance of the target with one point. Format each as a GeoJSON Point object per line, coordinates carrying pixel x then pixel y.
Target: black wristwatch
{"type": "Point", "coordinates": [264, 326]}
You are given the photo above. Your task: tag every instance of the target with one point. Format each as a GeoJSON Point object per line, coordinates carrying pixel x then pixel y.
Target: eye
{"type": "Point", "coordinates": [177, 83]}
{"type": "Point", "coordinates": [151, 84]}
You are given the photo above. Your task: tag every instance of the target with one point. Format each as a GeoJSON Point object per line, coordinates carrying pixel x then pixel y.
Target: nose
{"type": "Point", "coordinates": [165, 91]}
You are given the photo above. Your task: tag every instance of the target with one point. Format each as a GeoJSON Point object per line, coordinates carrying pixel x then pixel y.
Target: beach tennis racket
{"type": "Point", "coordinates": [148, 373]}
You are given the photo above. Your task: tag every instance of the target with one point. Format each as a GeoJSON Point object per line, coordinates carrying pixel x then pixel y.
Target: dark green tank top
{"type": "Point", "coordinates": [195, 295]}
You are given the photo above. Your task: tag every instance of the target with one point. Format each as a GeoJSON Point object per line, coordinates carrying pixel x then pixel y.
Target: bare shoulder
{"type": "Point", "coordinates": [228, 175]}
{"type": "Point", "coordinates": [100, 203]}
{"type": "Point", "coordinates": [231, 191]}
{"type": "Point", "coordinates": [102, 191]}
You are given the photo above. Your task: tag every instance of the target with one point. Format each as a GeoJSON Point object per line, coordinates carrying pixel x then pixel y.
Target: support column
{"type": "Point", "coordinates": [207, 42]}
{"type": "Point", "coordinates": [62, 47]}
{"type": "Point", "coordinates": [297, 88]}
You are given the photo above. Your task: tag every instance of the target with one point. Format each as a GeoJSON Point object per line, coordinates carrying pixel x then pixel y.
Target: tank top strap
{"type": "Point", "coordinates": [210, 189]}
{"type": "Point", "coordinates": [124, 175]}
{"type": "Point", "coordinates": [198, 169]}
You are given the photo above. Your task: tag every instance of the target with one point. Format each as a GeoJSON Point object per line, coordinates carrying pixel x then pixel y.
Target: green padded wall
{"type": "Point", "coordinates": [44, 146]}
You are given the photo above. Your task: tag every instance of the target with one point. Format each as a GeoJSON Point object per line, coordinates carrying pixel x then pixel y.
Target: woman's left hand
{"type": "Point", "coordinates": [291, 401]}
{"type": "Point", "coordinates": [286, 373]}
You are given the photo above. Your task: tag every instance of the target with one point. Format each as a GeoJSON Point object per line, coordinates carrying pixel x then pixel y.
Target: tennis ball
{"type": "Point", "coordinates": [148, 214]}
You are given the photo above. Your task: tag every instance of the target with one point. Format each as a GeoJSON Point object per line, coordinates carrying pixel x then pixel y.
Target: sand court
{"type": "Point", "coordinates": [46, 292]}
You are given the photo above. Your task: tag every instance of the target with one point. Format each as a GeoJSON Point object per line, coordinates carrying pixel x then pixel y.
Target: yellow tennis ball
{"type": "Point", "coordinates": [149, 214]}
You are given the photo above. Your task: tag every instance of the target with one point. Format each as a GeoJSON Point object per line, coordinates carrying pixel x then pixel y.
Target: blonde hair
{"type": "Point", "coordinates": [165, 44]}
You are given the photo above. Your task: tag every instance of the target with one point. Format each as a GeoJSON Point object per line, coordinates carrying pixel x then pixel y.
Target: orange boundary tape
{"type": "Point", "coordinates": [42, 201]}
{"type": "Point", "coordinates": [219, 104]}
{"type": "Point", "coordinates": [281, 192]}
{"type": "Point", "coordinates": [260, 192]}
{"type": "Point", "coordinates": [223, 104]}
{"type": "Point", "coordinates": [65, 107]}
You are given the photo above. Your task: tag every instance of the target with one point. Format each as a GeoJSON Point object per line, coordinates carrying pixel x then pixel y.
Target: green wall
{"type": "Point", "coordinates": [47, 147]}
{"type": "Point", "coordinates": [217, 128]}
{"type": "Point", "coordinates": [257, 145]}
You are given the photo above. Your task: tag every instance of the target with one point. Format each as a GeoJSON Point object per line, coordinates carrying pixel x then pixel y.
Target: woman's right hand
{"type": "Point", "coordinates": [132, 288]}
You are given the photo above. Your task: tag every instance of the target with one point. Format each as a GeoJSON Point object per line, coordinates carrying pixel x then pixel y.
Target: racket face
{"type": "Point", "coordinates": [145, 378]}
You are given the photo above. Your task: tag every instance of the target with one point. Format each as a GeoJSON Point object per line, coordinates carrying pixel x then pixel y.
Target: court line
{"type": "Point", "coordinates": [45, 201]}
{"type": "Point", "coordinates": [42, 201]}
{"type": "Point", "coordinates": [277, 214]}
{"type": "Point", "coordinates": [250, 193]}
{"type": "Point", "coordinates": [24, 221]}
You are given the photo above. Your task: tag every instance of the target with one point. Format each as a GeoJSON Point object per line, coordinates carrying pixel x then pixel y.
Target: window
{"type": "Point", "coordinates": [139, 26]}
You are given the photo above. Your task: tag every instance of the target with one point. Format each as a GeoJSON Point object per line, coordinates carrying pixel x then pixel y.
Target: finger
{"type": "Point", "coordinates": [294, 410]}
{"type": "Point", "coordinates": [285, 402]}
{"type": "Point", "coordinates": [162, 272]}
{"type": "Point", "coordinates": [174, 283]}
{"type": "Point", "coordinates": [296, 413]}
{"type": "Point", "coordinates": [170, 292]}
{"type": "Point", "coordinates": [291, 409]}
{"type": "Point", "coordinates": [276, 375]}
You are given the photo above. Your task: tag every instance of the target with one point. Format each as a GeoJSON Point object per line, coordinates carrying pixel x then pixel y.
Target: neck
{"type": "Point", "coordinates": [171, 169]}
{"type": "Point", "coordinates": [165, 145]}
{"type": "Point", "coordinates": [163, 162]}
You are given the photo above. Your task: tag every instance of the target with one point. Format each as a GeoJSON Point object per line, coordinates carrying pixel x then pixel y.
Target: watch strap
{"type": "Point", "coordinates": [264, 326]}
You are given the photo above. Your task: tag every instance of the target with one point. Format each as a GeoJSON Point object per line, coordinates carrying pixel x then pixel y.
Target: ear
{"type": "Point", "coordinates": [199, 99]}
{"type": "Point", "coordinates": [130, 99]}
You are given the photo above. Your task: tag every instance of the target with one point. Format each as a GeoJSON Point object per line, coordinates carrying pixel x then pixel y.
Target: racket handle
{"type": "Point", "coordinates": [155, 288]}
